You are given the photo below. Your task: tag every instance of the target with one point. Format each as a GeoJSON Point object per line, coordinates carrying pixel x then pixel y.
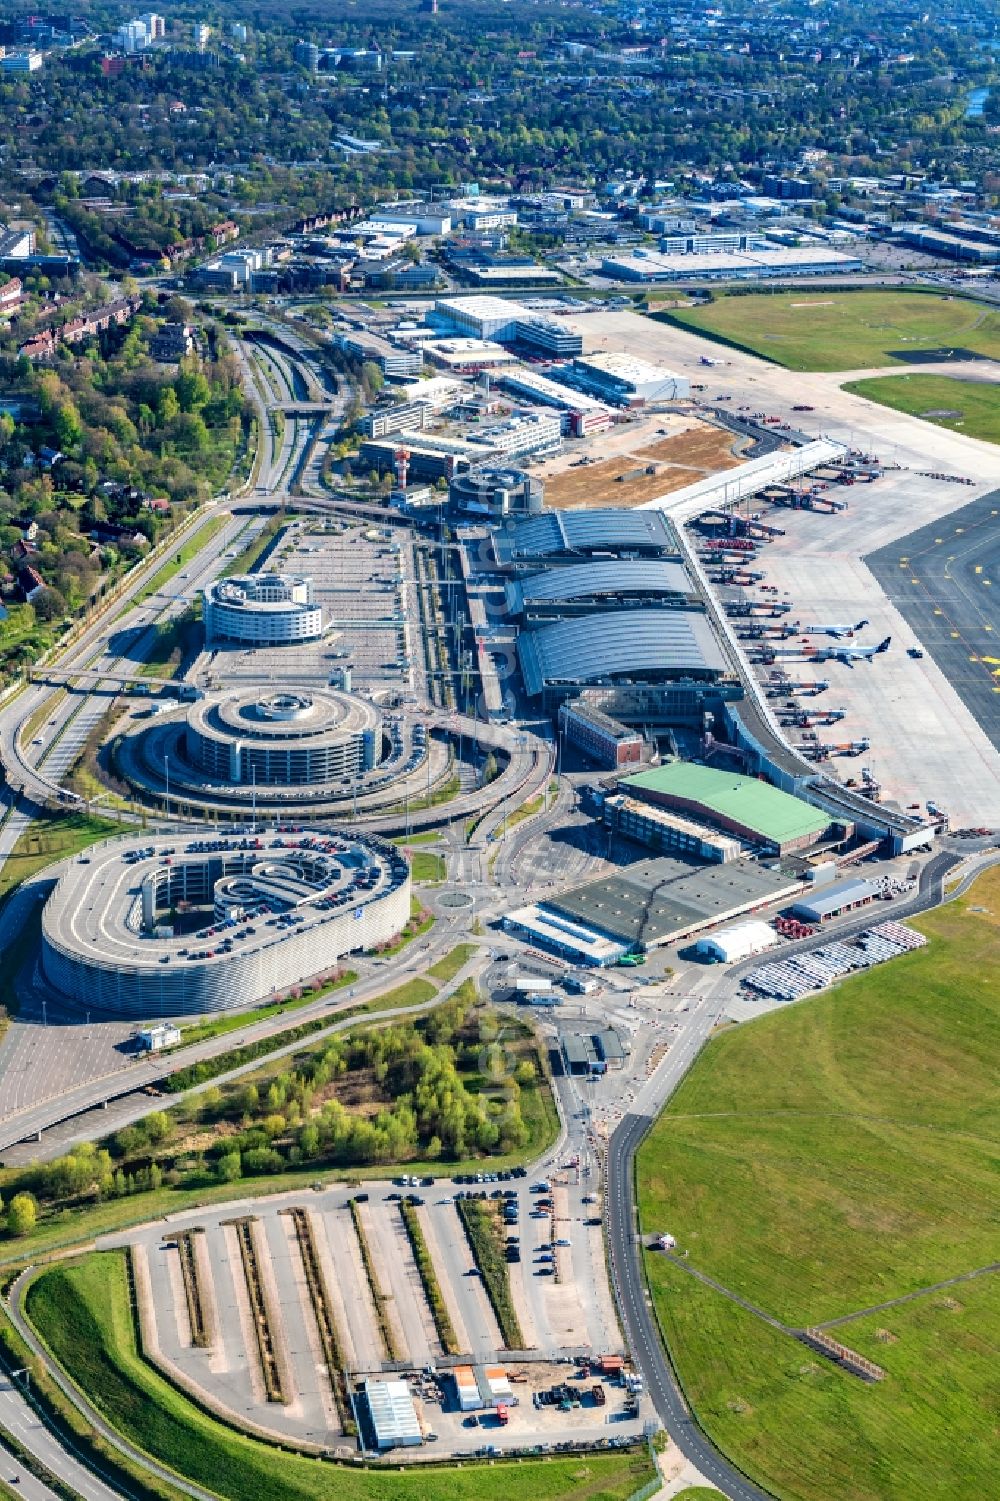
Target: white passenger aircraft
{"type": "Point", "coordinates": [832, 630]}
{"type": "Point", "coordinates": [849, 654]}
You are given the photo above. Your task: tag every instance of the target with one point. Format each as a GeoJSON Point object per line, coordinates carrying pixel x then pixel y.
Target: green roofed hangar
{"type": "Point", "coordinates": [751, 809]}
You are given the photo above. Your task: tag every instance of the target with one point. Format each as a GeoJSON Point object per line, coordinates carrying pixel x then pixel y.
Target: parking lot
{"type": "Point", "coordinates": [363, 577]}
{"type": "Point", "coordinates": [205, 1296]}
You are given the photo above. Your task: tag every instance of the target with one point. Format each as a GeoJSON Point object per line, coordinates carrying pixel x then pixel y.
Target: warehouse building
{"type": "Point", "coordinates": [648, 904]}
{"type": "Point", "coordinates": [560, 593]}
{"type": "Point", "coordinates": [665, 832]}
{"type": "Point", "coordinates": [744, 806]}
{"type": "Point", "coordinates": [834, 901]}
{"type": "Point", "coordinates": [741, 941]}
{"type": "Point", "coordinates": [623, 380]}
{"type": "Point", "coordinates": [574, 536]}
{"type": "Point", "coordinates": [721, 265]}
{"type": "Point", "coordinates": [607, 742]}
{"type": "Point", "coordinates": [388, 1406]}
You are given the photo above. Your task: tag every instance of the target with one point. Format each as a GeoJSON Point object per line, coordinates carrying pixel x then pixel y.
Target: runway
{"type": "Point", "coordinates": [945, 581]}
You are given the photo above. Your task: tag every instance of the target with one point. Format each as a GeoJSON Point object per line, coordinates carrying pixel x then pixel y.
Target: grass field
{"type": "Point", "coordinates": [845, 331]}
{"type": "Point", "coordinates": [820, 1161]}
{"type": "Point", "coordinates": [49, 839]}
{"type": "Point", "coordinates": [448, 966]}
{"type": "Point", "coordinates": [188, 549]}
{"type": "Point", "coordinates": [82, 1311]}
{"type": "Point", "coordinates": [427, 865]}
{"type": "Point", "coordinates": [965, 406]}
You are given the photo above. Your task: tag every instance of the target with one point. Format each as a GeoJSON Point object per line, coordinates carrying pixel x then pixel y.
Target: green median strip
{"type": "Point", "coordinates": [485, 1237]}
{"type": "Point", "coordinates": [428, 1276]}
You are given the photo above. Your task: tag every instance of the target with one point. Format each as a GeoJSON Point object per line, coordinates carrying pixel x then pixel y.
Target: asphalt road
{"type": "Point", "coordinates": [945, 581]}
{"type": "Point", "coordinates": [18, 1418]}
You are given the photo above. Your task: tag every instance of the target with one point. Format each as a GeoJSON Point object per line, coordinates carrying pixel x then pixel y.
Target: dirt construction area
{"type": "Point", "coordinates": [648, 457]}
{"type": "Point", "coordinates": [272, 1312]}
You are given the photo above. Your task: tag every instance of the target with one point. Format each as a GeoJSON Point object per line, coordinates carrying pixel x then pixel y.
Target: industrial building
{"type": "Point", "coordinates": [741, 941]}
{"type": "Point", "coordinates": [624, 380]}
{"type": "Point", "coordinates": [720, 265]}
{"type": "Point", "coordinates": [583, 415]}
{"type": "Point", "coordinates": [573, 536]}
{"type": "Point", "coordinates": [751, 809]}
{"type": "Point", "coordinates": [834, 901]}
{"type": "Point", "coordinates": [429, 455]}
{"type": "Point", "coordinates": [611, 744]}
{"type": "Point", "coordinates": [261, 609]}
{"type": "Point", "coordinates": [593, 1053]}
{"type": "Point", "coordinates": [284, 739]}
{"type": "Point", "coordinates": [665, 832]}
{"type": "Point", "coordinates": [646, 905]}
{"type": "Point", "coordinates": [388, 1406]}
{"type": "Point", "coordinates": [559, 593]}
{"type": "Point", "coordinates": [216, 924]}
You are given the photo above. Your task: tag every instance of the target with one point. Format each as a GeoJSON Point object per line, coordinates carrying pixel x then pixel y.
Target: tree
{"type": "Point", "coordinates": [167, 406]}
{"type": "Point", "coordinates": [372, 378]}
{"type": "Point", "coordinates": [22, 1214]}
{"type": "Point", "coordinates": [229, 1169]}
{"type": "Point", "coordinates": [49, 604]}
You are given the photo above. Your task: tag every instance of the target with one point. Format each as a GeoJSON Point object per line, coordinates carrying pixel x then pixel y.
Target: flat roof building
{"type": "Point", "coordinates": [392, 1414]}
{"type": "Point", "coordinates": [665, 832]}
{"type": "Point", "coordinates": [744, 806]}
{"type": "Point", "coordinates": [648, 904]}
{"type": "Point", "coordinates": [606, 741]}
{"type": "Point", "coordinates": [722, 265]}
{"type": "Point", "coordinates": [834, 900]}
{"type": "Point", "coordinates": [623, 379]}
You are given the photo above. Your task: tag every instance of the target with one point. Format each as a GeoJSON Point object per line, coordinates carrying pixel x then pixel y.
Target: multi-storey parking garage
{"type": "Point", "coordinates": [284, 739]}
{"type": "Point", "coordinates": [215, 924]}
{"type": "Point", "coordinates": [265, 609]}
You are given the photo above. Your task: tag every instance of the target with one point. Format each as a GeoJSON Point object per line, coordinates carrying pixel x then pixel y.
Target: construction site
{"type": "Point", "coordinates": [648, 456]}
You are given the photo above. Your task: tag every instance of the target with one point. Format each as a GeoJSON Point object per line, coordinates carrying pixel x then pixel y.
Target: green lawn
{"type": "Point", "coordinates": [426, 865]}
{"type": "Point", "coordinates": [819, 330]}
{"type": "Point", "coordinates": [189, 548]}
{"type": "Point", "coordinates": [51, 838]}
{"type": "Point", "coordinates": [970, 407]}
{"type": "Point", "coordinates": [82, 1311]}
{"type": "Point", "coordinates": [824, 1159]}
{"type": "Point", "coordinates": [448, 966]}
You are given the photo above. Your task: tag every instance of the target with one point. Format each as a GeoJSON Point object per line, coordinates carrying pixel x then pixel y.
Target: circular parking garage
{"type": "Point", "coordinates": [261, 609]}
{"type": "Point", "coordinates": [282, 739]}
{"type": "Point", "coordinates": [143, 930]}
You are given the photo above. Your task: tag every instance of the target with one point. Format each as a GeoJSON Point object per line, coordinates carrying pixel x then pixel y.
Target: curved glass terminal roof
{"type": "Point", "coordinates": [639, 576]}
{"type": "Point", "coordinates": [620, 646]}
{"type": "Point", "coordinates": [562, 533]}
